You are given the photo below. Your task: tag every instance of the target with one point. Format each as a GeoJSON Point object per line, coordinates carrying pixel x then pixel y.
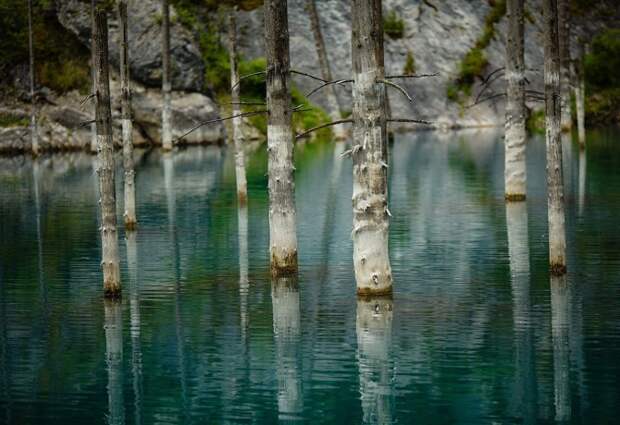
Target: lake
{"type": "Point", "coordinates": [476, 331]}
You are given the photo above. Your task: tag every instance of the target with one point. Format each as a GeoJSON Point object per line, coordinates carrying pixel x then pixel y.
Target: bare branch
{"type": "Point", "coordinates": [488, 77]}
{"type": "Point", "coordinates": [487, 84]}
{"type": "Point", "coordinates": [244, 114]}
{"type": "Point", "coordinates": [396, 86]}
{"type": "Point", "coordinates": [409, 120]}
{"type": "Point", "coordinates": [85, 123]}
{"type": "Point", "coordinates": [247, 103]}
{"type": "Point", "coordinates": [318, 127]}
{"type": "Point", "coordinates": [327, 84]}
{"type": "Point", "coordinates": [435, 74]}
{"type": "Point", "coordinates": [294, 71]}
{"type": "Point", "coordinates": [87, 98]}
{"type": "Point", "coordinates": [243, 77]}
{"type": "Point", "coordinates": [486, 99]}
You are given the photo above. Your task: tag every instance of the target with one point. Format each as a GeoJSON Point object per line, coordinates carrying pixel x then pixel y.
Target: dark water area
{"type": "Point", "coordinates": [476, 332]}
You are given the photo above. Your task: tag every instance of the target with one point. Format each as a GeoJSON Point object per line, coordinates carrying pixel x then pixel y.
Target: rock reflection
{"type": "Point", "coordinates": [114, 360]}
{"type": "Point", "coordinates": [286, 329]}
{"type": "Point", "coordinates": [525, 391]}
{"type": "Point", "coordinates": [374, 335]}
{"type": "Point", "coordinates": [560, 321]}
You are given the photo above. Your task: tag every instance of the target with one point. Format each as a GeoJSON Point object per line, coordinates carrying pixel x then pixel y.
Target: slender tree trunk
{"type": "Point", "coordinates": [565, 61]}
{"type": "Point", "coordinates": [560, 320]}
{"type": "Point", "coordinates": [374, 334]}
{"type": "Point", "coordinates": [34, 139]}
{"type": "Point", "coordinates": [130, 189]}
{"type": "Point", "coordinates": [105, 149]}
{"type": "Point", "coordinates": [237, 123]}
{"type": "Point", "coordinates": [515, 170]}
{"type": "Point", "coordinates": [134, 329]}
{"type": "Point", "coordinates": [332, 97]}
{"type": "Point", "coordinates": [555, 183]}
{"type": "Point", "coordinates": [114, 360]}
{"type": "Point", "coordinates": [166, 132]}
{"type": "Point", "coordinates": [93, 126]}
{"type": "Point", "coordinates": [373, 272]}
{"type": "Point", "coordinates": [580, 93]}
{"type": "Point", "coordinates": [282, 214]}
{"type": "Point", "coordinates": [582, 180]}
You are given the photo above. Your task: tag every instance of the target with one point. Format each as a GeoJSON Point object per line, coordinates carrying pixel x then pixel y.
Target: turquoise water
{"type": "Point", "coordinates": [475, 333]}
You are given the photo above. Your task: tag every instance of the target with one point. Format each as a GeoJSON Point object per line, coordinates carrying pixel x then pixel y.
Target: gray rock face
{"type": "Point", "coordinates": [144, 27]}
{"type": "Point", "coordinates": [437, 33]}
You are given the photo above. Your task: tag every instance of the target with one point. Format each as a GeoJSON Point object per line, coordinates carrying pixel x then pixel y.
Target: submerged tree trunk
{"type": "Point", "coordinates": [332, 97]}
{"type": "Point", "coordinates": [237, 122]}
{"type": "Point", "coordinates": [515, 170]}
{"type": "Point", "coordinates": [580, 94]}
{"type": "Point", "coordinates": [555, 183]}
{"type": "Point", "coordinates": [113, 326]}
{"type": "Point", "coordinates": [93, 126]}
{"type": "Point", "coordinates": [282, 214]}
{"type": "Point", "coordinates": [105, 149]}
{"type": "Point", "coordinates": [134, 326]}
{"type": "Point", "coordinates": [34, 139]}
{"type": "Point", "coordinates": [565, 74]}
{"type": "Point", "coordinates": [166, 133]}
{"type": "Point", "coordinates": [370, 199]}
{"type": "Point", "coordinates": [560, 320]}
{"type": "Point", "coordinates": [130, 190]}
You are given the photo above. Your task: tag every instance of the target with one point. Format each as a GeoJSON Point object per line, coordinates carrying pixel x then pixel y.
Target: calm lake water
{"type": "Point", "coordinates": [475, 333]}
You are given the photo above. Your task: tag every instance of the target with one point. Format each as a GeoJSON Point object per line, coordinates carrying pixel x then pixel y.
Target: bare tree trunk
{"type": "Point", "coordinates": [130, 189]}
{"type": "Point", "coordinates": [166, 133]}
{"type": "Point", "coordinates": [34, 139]}
{"type": "Point", "coordinates": [515, 171]}
{"type": "Point", "coordinates": [374, 334]}
{"type": "Point", "coordinates": [114, 360]}
{"type": "Point", "coordinates": [373, 272]}
{"type": "Point", "coordinates": [93, 126]}
{"type": "Point", "coordinates": [105, 149]}
{"type": "Point", "coordinates": [237, 122]}
{"type": "Point", "coordinates": [332, 97]}
{"type": "Point", "coordinates": [565, 74]}
{"type": "Point", "coordinates": [560, 321]}
{"type": "Point", "coordinates": [282, 214]}
{"type": "Point", "coordinates": [580, 94]}
{"type": "Point", "coordinates": [555, 183]}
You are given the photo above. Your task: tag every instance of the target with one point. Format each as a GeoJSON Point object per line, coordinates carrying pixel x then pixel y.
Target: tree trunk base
{"type": "Point", "coordinates": [284, 266]}
{"type": "Point", "coordinates": [371, 292]}
{"type": "Point", "coordinates": [557, 269]}
{"type": "Point", "coordinates": [131, 224]}
{"type": "Point", "coordinates": [514, 197]}
{"type": "Point", "coordinates": [112, 291]}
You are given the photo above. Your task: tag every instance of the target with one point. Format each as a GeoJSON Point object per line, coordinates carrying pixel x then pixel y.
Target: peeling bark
{"type": "Point", "coordinates": [515, 170]}
{"type": "Point", "coordinates": [282, 214]}
{"type": "Point", "coordinates": [373, 272]}
{"type": "Point", "coordinates": [237, 122]}
{"type": "Point", "coordinates": [565, 74]}
{"type": "Point", "coordinates": [34, 139]}
{"type": "Point", "coordinates": [166, 133]}
{"type": "Point", "coordinates": [555, 183]}
{"type": "Point", "coordinates": [127, 125]}
{"type": "Point", "coordinates": [105, 156]}
{"type": "Point", "coordinates": [332, 97]}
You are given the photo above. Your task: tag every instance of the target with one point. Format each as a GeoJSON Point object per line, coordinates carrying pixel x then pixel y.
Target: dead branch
{"type": "Point", "coordinates": [87, 98]}
{"type": "Point", "coordinates": [415, 121]}
{"type": "Point", "coordinates": [486, 99]}
{"type": "Point", "coordinates": [327, 84]}
{"type": "Point", "coordinates": [488, 77]}
{"type": "Point", "coordinates": [318, 127]}
{"type": "Point", "coordinates": [244, 114]}
{"type": "Point", "coordinates": [314, 77]}
{"type": "Point", "coordinates": [243, 77]}
{"type": "Point", "coordinates": [487, 84]}
{"type": "Point", "coordinates": [435, 74]}
{"type": "Point", "coordinates": [247, 103]}
{"type": "Point", "coordinates": [85, 123]}
{"type": "Point", "coordinates": [396, 86]}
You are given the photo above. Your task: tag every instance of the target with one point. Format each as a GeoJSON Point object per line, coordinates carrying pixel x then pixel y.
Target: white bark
{"type": "Point", "coordinates": [565, 74]}
{"type": "Point", "coordinates": [166, 132]}
{"type": "Point", "coordinates": [287, 331]}
{"type": "Point", "coordinates": [370, 199]}
{"type": "Point", "coordinates": [114, 360]}
{"type": "Point", "coordinates": [376, 371]}
{"type": "Point", "coordinates": [560, 320]}
{"type": "Point", "coordinates": [237, 123]}
{"type": "Point", "coordinates": [515, 169]}
{"type": "Point", "coordinates": [580, 98]}
{"type": "Point", "coordinates": [93, 126]}
{"type": "Point", "coordinates": [105, 154]}
{"type": "Point", "coordinates": [127, 125]}
{"type": "Point", "coordinates": [555, 183]}
{"type": "Point", "coordinates": [34, 139]}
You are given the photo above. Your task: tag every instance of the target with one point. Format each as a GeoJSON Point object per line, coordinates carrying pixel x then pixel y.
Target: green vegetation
{"type": "Point", "coordinates": [393, 25]}
{"type": "Point", "coordinates": [474, 62]}
{"type": "Point", "coordinates": [10, 120]}
{"type": "Point", "coordinates": [61, 61]}
{"type": "Point", "coordinates": [535, 122]}
{"type": "Point", "coordinates": [409, 68]}
{"type": "Point", "coordinates": [603, 79]}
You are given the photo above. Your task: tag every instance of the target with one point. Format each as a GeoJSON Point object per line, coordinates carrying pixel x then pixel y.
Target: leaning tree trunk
{"type": "Point", "coordinates": [105, 156]}
{"type": "Point", "coordinates": [332, 97]}
{"type": "Point", "coordinates": [93, 126]}
{"type": "Point", "coordinates": [282, 220]}
{"type": "Point", "coordinates": [555, 183]}
{"type": "Point", "coordinates": [130, 190]}
{"type": "Point", "coordinates": [237, 122]}
{"type": "Point", "coordinates": [565, 74]}
{"type": "Point", "coordinates": [373, 272]}
{"type": "Point", "coordinates": [166, 133]}
{"type": "Point", "coordinates": [515, 170]}
{"type": "Point", "coordinates": [580, 93]}
{"type": "Point", "coordinates": [34, 139]}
